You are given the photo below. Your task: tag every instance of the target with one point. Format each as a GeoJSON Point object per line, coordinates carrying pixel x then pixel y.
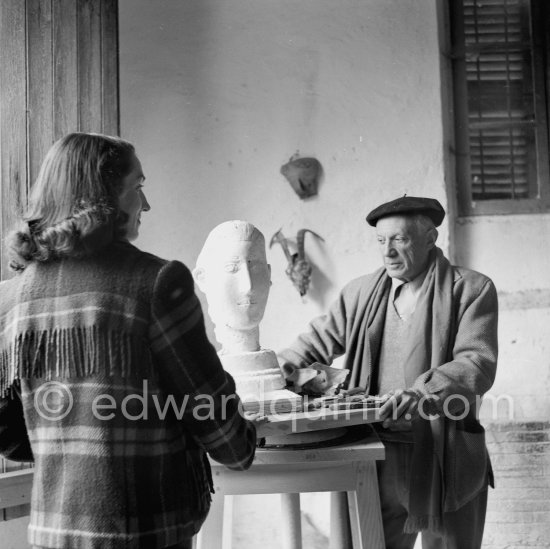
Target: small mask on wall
{"type": "Point", "coordinates": [303, 174]}
{"type": "Point", "coordinates": [298, 269]}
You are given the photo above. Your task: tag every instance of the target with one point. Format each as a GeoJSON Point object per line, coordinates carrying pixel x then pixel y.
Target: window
{"type": "Point", "coordinates": [499, 58]}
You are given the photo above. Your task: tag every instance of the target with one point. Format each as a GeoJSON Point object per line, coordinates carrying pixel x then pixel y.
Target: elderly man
{"type": "Point", "coordinates": [424, 332]}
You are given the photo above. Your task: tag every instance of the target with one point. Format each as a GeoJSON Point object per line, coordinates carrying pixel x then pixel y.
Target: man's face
{"type": "Point", "coordinates": [404, 246]}
{"type": "Point", "coordinates": [236, 281]}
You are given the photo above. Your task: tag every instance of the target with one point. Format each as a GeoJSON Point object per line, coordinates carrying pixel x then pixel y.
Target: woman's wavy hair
{"type": "Point", "coordinates": [73, 206]}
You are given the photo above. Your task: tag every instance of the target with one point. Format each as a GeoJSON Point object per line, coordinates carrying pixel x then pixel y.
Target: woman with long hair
{"type": "Point", "coordinates": [107, 380]}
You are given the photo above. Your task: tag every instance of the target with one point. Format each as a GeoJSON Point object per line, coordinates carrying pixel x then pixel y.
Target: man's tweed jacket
{"type": "Point", "coordinates": [122, 395]}
{"type": "Point", "coordinates": [465, 377]}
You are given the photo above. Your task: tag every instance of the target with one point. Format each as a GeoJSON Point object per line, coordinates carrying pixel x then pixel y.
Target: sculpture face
{"type": "Point", "coordinates": [235, 276]}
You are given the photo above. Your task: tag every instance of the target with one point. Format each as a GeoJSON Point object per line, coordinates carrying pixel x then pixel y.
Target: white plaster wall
{"type": "Point", "coordinates": [514, 251]}
{"type": "Point", "coordinates": [218, 94]}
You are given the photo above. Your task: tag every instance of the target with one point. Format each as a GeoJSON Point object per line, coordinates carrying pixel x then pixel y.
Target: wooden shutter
{"type": "Point", "coordinates": [501, 129]}
{"type": "Point", "coordinates": [58, 73]}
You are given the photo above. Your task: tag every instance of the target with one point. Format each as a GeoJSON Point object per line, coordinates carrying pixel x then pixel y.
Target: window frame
{"type": "Point", "coordinates": [467, 205]}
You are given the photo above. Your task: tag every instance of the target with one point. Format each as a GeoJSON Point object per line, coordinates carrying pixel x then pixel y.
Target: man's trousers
{"type": "Point", "coordinates": [463, 528]}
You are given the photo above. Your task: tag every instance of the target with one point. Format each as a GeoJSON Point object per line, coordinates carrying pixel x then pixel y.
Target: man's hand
{"type": "Point", "coordinates": [400, 408]}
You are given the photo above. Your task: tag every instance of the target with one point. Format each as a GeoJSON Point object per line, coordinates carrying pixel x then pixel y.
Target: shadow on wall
{"type": "Point", "coordinates": [320, 287]}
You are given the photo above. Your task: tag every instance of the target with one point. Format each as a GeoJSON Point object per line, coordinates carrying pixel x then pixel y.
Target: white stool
{"type": "Point", "coordinates": [350, 469]}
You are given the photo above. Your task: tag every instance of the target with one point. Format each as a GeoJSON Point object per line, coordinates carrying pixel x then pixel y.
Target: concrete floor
{"type": "Point", "coordinates": [256, 523]}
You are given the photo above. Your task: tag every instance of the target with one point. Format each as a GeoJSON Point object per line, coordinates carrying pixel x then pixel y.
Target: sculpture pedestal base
{"type": "Point", "coordinates": [259, 381]}
{"type": "Point", "coordinates": [272, 403]}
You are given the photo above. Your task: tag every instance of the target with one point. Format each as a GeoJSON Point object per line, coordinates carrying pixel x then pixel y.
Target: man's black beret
{"type": "Point", "coordinates": [429, 207]}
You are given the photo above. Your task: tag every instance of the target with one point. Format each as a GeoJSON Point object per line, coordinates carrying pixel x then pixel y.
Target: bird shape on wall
{"type": "Point", "coordinates": [303, 174]}
{"type": "Point", "coordinates": [299, 269]}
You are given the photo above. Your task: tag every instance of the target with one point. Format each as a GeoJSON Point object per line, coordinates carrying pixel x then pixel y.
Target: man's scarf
{"type": "Point", "coordinates": [430, 345]}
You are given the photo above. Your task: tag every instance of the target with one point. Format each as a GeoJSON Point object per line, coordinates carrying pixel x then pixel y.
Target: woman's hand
{"type": "Point", "coordinates": [258, 420]}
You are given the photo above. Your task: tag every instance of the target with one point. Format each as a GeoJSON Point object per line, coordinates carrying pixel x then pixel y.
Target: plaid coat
{"type": "Point", "coordinates": [109, 382]}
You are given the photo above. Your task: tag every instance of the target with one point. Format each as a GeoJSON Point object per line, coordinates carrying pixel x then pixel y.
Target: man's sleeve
{"type": "Point", "coordinates": [14, 440]}
{"type": "Point", "coordinates": [190, 368]}
{"type": "Point", "coordinates": [472, 371]}
{"type": "Point", "coordinates": [323, 341]}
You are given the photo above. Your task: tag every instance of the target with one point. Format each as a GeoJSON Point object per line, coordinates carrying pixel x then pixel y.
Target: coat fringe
{"type": "Point", "coordinates": [73, 353]}
{"type": "Point", "coordinates": [415, 524]}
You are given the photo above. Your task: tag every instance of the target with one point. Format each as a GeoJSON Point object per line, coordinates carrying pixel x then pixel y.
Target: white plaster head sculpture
{"type": "Point", "coordinates": [233, 273]}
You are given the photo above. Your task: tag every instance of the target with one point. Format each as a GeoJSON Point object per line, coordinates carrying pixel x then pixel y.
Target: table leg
{"type": "Point", "coordinates": [228, 522]}
{"type": "Point", "coordinates": [291, 527]}
{"type": "Point", "coordinates": [211, 533]}
{"type": "Point", "coordinates": [364, 508]}
{"type": "Point", "coordinates": [340, 533]}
